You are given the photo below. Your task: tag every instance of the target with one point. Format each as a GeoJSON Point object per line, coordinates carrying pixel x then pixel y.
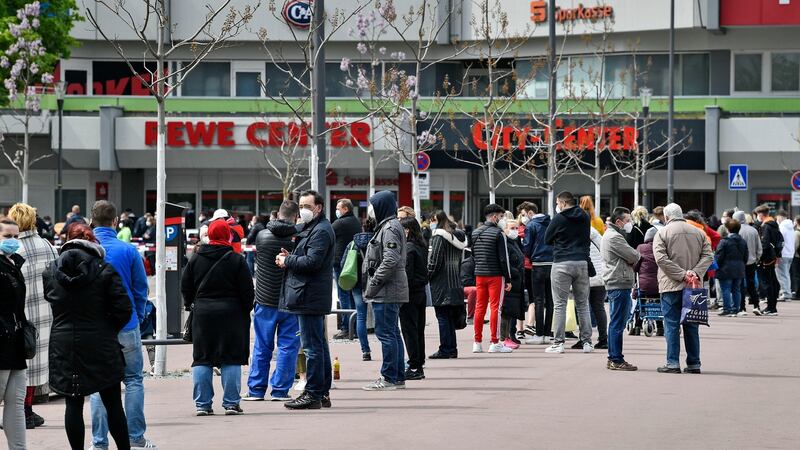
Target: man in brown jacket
{"type": "Point", "coordinates": [683, 254]}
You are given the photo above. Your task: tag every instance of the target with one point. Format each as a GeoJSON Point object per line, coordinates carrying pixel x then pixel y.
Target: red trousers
{"type": "Point", "coordinates": [490, 293]}
{"type": "Point", "coordinates": [471, 292]}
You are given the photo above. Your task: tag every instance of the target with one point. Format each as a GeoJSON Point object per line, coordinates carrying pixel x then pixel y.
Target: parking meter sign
{"type": "Point", "coordinates": [171, 231]}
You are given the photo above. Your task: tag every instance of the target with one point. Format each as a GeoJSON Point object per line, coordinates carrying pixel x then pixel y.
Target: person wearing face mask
{"type": "Point", "coordinates": [639, 227]}
{"type": "Point", "coordinates": [492, 276]}
{"type": "Point", "coordinates": [513, 308]}
{"type": "Point", "coordinates": [124, 233]}
{"type": "Point", "coordinates": [619, 279]}
{"type": "Point", "coordinates": [12, 346]}
{"type": "Point", "coordinates": [525, 329]}
{"type": "Point", "coordinates": [306, 292]}
{"type": "Point", "coordinates": [345, 227]}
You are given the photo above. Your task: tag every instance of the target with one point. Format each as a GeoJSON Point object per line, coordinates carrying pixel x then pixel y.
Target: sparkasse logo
{"type": "Point", "coordinates": [298, 13]}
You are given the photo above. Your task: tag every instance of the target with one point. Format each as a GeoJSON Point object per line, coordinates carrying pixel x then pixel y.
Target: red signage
{"type": "Point", "coordinates": [733, 13]}
{"type": "Point", "coordinates": [592, 13]}
{"type": "Point", "coordinates": [568, 137]}
{"type": "Point", "coordinates": [101, 190]}
{"type": "Point", "coordinates": [364, 181]}
{"type": "Point", "coordinates": [260, 134]}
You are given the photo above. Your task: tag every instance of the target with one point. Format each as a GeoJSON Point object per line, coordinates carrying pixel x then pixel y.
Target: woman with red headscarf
{"type": "Point", "coordinates": [217, 286]}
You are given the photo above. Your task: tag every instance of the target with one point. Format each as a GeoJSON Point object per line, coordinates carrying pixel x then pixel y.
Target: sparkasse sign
{"type": "Point", "coordinates": [591, 13]}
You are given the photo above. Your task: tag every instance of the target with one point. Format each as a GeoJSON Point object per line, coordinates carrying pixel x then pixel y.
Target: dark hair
{"type": "Point", "coordinates": [369, 225]}
{"type": "Point", "coordinates": [567, 197]}
{"type": "Point", "coordinates": [619, 213]}
{"type": "Point", "coordinates": [103, 213]}
{"type": "Point", "coordinates": [658, 211]}
{"type": "Point", "coordinates": [46, 218]}
{"type": "Point", "coordinates": [414, 231]}
{"type": "Point", "coordinates": [347, 203]}
{"type": "Point", "coordinates": [695, 216]}
{"type": "Point", "coordinates": [763, 209]}
{"type": "Point", "coordinates": [526, 206]}
{"type": "Point", "coordinates": [733, 226]}
{"type": "Point", "coordinates": [444, 221]}
{"type": "Point", "coordinates": [7, 221]}
{"type": "Point", "coordinates": [81, 231]}
{"type": "Point", "coordinates": [782, 213]}
{"type": "Point", "coordinates": [127, 223]}
{"type": "Point", "coordinates": [288, 210]}
{"type": "Point", "coordinates": [493, 208]}
{"type": "Point", "coordinates": [273, 213]}
{"type": "Point", "coordinates": [263, 219]}
{"type": "Point", "coordinates": [318, 200]}
{"type": "Point", "coordinates": [728, 212]}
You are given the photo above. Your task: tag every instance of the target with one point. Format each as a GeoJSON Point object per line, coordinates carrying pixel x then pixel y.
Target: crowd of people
{"type": "Point", "coordinates": [528, 271]}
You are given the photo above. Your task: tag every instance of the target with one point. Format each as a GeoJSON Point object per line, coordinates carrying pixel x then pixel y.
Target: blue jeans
{"type": "Point", "coordinates": [250, 258]}
{"type": "Point", "coordinates": [318, 356]}
{"type": "Point", "coordinates": [267, 322]}
{"type": "Point", "coordinates": [731, 294]}
{"type": "Point", "coordinates": [131, 342]}
{"type": "Point", "coordinates": [619, 303]}
{"type": "Point", "coordinates": [445, 315]}
{"type": "Point", "coordinates": [203, 381]}
{"type": "Point", "coordinates": [387, 330]}
{"type": "Point", "coordinates": [345, 300]}
{"type": "Point", "coordinates": [671, 304]}
{"type": "Point", "coordinates": [361, 318]}
{"type": "Point", "coordinates": [784, 273]}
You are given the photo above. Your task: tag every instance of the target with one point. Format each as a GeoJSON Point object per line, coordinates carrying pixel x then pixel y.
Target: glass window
{"type": "Point", "coordinates": [188, 201]}
{"type": "Point", "coordinates": [208, 79]}
{"type": "Point", "coordinates": [785, 72]}
{"type": "Point", "coordinates": [247, 84]}
{"type": "Point", "coordinates": [747, 72]}
{"type": "Point", "coordinates": [586, 76]}
{"type": "Point", "coordinates": [209, 201]}
{"type": "Point", "coordinates": [457, 205]}
{"type": "Point", "coordinates": [652, 71]}
{"type": "Point", "coordinates": [269, 202]}
{"type": "Point", "coordinates": [434, 203]}
{"type": "Point", "coordinates": [115, 78]}
{"type": "Point", "coordinates": [619, 76]}
{"type": "Point", "coordinates": [447, 79]}
{"type": "Point", "coordinates": [239, 203]}
{"type": "Point", "coordinates": [533, 74]}
{"type": "Point", "coordinates": [695, 74]}
{"type": "Point", "coordinates": [280, 82]}
{"type": "Point", "coordinates": [75, 81]}
{"type": "Point", "coordinates": [71, 197]}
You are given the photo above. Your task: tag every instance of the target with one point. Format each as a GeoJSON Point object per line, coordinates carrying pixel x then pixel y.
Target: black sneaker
{"type": "Point", "coordinates": [366, 356]}
{"type": "Point", "coordinates": [414, 374]}
{"type": "Point", "coordinates": [577, 346]}
{"type": "Point", "coordinates": [303, 402]}
{"type": "Point", "coordinates": [341, 335]}
{"type": "Point", "coordinates": [695, 370]}
{"type": "Point", "coordinates": [665, 369]}
{"type": "Point", "coordinates": [440, 355]}
{"type": "Point", "coordinates": [624, 366]}
{"type": "Point", "coordinates": [601, 345]}
{"type": "Point", "coordinates": [234, 410]}
{"type": "Point", "coordinates": [326, 401]}
{"type": "Point", "coordinates": [29, 423]}
{"type": "Point", "coordinates": [38, 420]}
{"type": "Point", "coordinates": [570, 335]}
{"type": "Point", "coordinates": [530, 330]}
{"type": "Point", "coordinates": [201, 412]}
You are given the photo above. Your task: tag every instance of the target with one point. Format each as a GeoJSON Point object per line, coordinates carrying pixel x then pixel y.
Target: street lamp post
{"type": "Point", "coordinates": [645, 94]}
{"type": "Point", "coordinates": [60, 88]}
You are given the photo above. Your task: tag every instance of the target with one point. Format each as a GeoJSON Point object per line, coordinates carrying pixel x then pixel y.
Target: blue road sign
{"type": "Point", "coordinates": [737, 177]}
{"type": "Point", "coordinates": [796, 181]}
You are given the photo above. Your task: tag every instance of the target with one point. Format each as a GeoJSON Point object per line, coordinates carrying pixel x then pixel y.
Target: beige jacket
{"type": "Point", "coordinates": [678, 248]}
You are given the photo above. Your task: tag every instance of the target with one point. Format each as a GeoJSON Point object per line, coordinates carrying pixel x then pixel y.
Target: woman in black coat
{"type": "Point", "coordinates": [412, 314]}
{"type": "Point", "coordinates": [12, 346]}
{"type": "Point", "coordinates": [217, 287]}
{"type": "Point", "coordinates": [514, 300]}
{"type": "Point", "coordinates": [90, 307]}
{"type": "Point", "coordinates": [731, 257]}
{"type": "Point", "coordinates": [447, 293]}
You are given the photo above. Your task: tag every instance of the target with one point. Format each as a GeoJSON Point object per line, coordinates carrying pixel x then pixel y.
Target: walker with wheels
{"type": "Point", "coordinates": [646, 309]}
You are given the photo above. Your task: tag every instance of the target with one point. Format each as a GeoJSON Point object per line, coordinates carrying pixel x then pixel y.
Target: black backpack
{"type": "Point", "coordinates": [467, 270]}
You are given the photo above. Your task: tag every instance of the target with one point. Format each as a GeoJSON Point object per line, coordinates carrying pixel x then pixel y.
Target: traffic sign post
{"type": "Point", "coordinates": [796, 181]}
{"type": "Point", "coordinates": [424, 185]}
{"type": "Point", "coordinates": [737, 177]}
{"type": "Point", "coordinates": [423, 161]}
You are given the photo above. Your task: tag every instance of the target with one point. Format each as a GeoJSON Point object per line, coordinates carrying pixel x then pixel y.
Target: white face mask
{"type": "Point", "coordinates": [306, 215]}
{"type": "Point", "coordinates": [558, 209]}
{"type": "Point", "coordinates": [502, 224]}
{"type": "Point", "coordinates": [338, 214]}
{"type": "Point", "coordinates": [628, 227]}
{"type": "Point", "coordinates": [513, 234]}
{"type": "Point", "coordinates": [525, 219]}
{"type": "Point", "coordinates": [371, 212]}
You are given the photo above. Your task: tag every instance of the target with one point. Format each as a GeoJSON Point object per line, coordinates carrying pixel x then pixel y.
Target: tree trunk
{"type": "Point", "coordinates": [26, 157]}
{"type": "Point", "coordinates": [636, 191]}
{"type": "Point", "coordinates": [161, 275]}
{"type": "Point", "coordinates": [597, 184]}
{"type": "Point", "coordinates": [371, 173]}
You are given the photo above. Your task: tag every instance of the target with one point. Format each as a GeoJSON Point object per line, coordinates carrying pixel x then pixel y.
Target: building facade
{"type": "Point", "coordinates": [737, 101]}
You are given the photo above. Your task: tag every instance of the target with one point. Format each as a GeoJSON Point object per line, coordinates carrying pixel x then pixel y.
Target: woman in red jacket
{"type": "Point", "coordinates": [647, 270]}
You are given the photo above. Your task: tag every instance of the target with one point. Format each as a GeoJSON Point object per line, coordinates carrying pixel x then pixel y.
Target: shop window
{"type": "Point", "coordinates": [278, 82]}
{"type": "Point", "coordinates": [208, 79]}
{"type": "Point", "coordinates": [76, 82]}
{"type": "Point", "coordinates": [747, 72]}
{"type": "Point", "coordinates": [239, 203]}
{"type": "Point", "coordinates": [188, 201]}
{"type": "Point", "coordinates": [775, 201]}
{"type": "Point", "coordinates": [209, 201]}
{"type": "Point", "coordinates": [115, 78]}
{"type": "Point", "coordinates": [358, 198]}
{"type": "Point", "coordinates": [785, 72]}
{"type": "Point", "coordinates": [434, 203]}
{"type": "Point", "coordinates": [269, 202]}
{"type": "Point", "coordinates": [71, 197]}
{"type": "Point", "coordinates": [247, 84]}
{"type": "Point", "coordinates": [457, 199]}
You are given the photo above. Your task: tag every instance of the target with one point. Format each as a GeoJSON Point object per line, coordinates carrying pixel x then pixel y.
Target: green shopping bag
{"type": "Point", "coordinates": [349, 274]}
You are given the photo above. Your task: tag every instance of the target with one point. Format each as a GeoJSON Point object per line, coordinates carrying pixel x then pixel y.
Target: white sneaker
{"type": "Point", "coordinates": [300, 386]}
{"type": "Point", "coordinates": [499, 348]}
{"type": "Point", "coordinates": [741, 314]}
{"type": "Point", "coordinates": [588, 347]}
{"type": "Point", "coordinates": [477, 348]}
{"type": "Point", "coordinates": [555, 348]}
{"type": "Point", "coordinates": [536, 340]}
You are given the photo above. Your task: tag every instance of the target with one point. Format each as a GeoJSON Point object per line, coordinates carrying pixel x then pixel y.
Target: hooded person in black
{"type": "Point", "coordinates": [569, 236]}
{"type": "Point", "coordinates": [345, 227]}
{"type": "Point", "coordinates": [772, 243]}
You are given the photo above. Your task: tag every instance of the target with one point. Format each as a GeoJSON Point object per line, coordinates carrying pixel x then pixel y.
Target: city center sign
{"type": "Point", "coordinates": [573, 138]}
{"type": "Point", "coordinates": [591, 13]}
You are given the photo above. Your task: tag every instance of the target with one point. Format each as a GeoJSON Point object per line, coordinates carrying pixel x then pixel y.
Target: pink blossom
{"type": "Point", "coordinates": [344, 66]}
{"type": "Point", "coordinates": [411, 81]}
{"type": "Point", "coordinates": [362, 48]}
{"type": "Point", "coordinates": [34, 68]}
{"type": "Point", "coordinates": [35, 23]}
{"type": "Point", "coordinates": [4, 62]}
{"type": "Point", "coordinates": [382, 50]}
{"type": "Point", "coordinates": [47, 78]}
{"type": "Point", "coordinates": [362, 83]}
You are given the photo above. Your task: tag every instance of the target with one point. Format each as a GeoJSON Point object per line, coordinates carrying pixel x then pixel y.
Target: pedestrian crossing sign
{"type": "Point", "coordinates": [737, 177]}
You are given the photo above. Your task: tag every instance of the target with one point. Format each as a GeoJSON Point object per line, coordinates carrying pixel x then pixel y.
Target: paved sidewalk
{"type": "Point", "coordinates": [747, 397]}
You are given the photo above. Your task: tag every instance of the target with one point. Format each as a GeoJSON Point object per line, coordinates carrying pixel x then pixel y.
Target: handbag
{"type": "Point", "coordinates": [30, 335]}
{"type": "Point", "coordinates": [348, 277]}
{"type": "Point", "coordinates": [187, 327]}
{"type": "Point", "coordinates": [695, 305]}
{"type": "Point", "coordinates": [571, 323]}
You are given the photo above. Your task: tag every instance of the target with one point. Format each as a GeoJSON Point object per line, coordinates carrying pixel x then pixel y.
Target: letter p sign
{"type": "Point", "coordinates": [171, 231]}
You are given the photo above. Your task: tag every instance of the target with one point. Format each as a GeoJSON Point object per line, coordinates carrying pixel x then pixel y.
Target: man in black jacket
{"type": "Point", "coordinates": [345, 227]}
{"type": "Point", "coordinates": [268, 320]}
{"type": "Point", "coordinates": [568, 234]}
{"type": "Point", "coordinates": [306, 292]}
{"type": "Point", "coordinates": [772, 244]}
{"type": "Point", "coordinates": [492, 276]}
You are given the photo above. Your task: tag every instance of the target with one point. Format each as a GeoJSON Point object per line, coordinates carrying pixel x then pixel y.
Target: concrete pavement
{"type": "Point", "coordinates": [747, 397]}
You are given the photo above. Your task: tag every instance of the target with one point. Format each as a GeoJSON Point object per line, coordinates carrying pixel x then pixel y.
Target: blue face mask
{"type": "Point", "coordinates": [433, 226]}
{"type": "Point", "coordinates": [9, 246]}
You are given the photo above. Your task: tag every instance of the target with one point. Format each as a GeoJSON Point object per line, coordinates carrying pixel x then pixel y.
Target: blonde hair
{"type": "Point", "coordinates": [408, 210]}
{"type": "Point", "coordinates": [639, 215]}
{"type": "Point", "coordinates": [587, 205]}
{"type": "Point", "coordinates": [24, 215]}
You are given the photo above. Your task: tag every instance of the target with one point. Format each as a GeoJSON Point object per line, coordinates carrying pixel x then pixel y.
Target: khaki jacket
{"type": "Point", "coordinates": [678, 248]}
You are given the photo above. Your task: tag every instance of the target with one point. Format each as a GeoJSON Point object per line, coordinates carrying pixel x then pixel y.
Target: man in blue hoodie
{"type": "Point", "coordinates": [541, 257]}
{"type": "Point", "coordinates": [128, 264]}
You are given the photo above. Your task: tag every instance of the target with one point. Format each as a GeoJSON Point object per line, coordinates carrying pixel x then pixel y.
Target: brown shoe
{"type": "Point", "coordinates": [624, 365]}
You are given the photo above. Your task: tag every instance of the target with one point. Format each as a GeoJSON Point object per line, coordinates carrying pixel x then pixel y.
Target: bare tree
{"type": "Point", "coordinates": [154, 44]}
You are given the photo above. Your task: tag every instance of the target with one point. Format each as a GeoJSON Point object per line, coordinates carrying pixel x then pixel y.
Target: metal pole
{"type": "Point", "coordinates": [318, 98]}
{"type": "Point", "coordinates": [551, 97]}
{"type": "Point", "coordinates": [645, 198]}
{"type": "Point", "coordinates": [59, 181]}
{"type": "Point", "coordinates": [671, 113]}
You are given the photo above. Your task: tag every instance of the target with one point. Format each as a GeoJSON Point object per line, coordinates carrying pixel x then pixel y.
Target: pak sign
{"type": "Point", "coordinates": [737, 177]}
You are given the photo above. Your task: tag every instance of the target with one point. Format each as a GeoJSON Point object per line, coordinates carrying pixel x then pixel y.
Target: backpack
{"type": "Point", "coordinates": [779, 244]}
{"type": "Point", "coordinates": [349, 274]}
{"type": "Point", "coordinates": [467, 270]}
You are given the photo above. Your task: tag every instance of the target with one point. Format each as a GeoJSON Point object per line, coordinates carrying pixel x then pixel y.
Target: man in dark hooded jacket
{"type": "Point", "coordinates": [541, 257]}
{"type": "Point", "coordinates": [568, 233]}
{"type": "Point", "coordinates": [268, 320]}
{"type": "Point", "coordinates": [387, 287]}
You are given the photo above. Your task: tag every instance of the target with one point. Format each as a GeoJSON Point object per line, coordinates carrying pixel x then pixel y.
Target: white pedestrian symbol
{"type": "Point", "coordinates": [738, 180]}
